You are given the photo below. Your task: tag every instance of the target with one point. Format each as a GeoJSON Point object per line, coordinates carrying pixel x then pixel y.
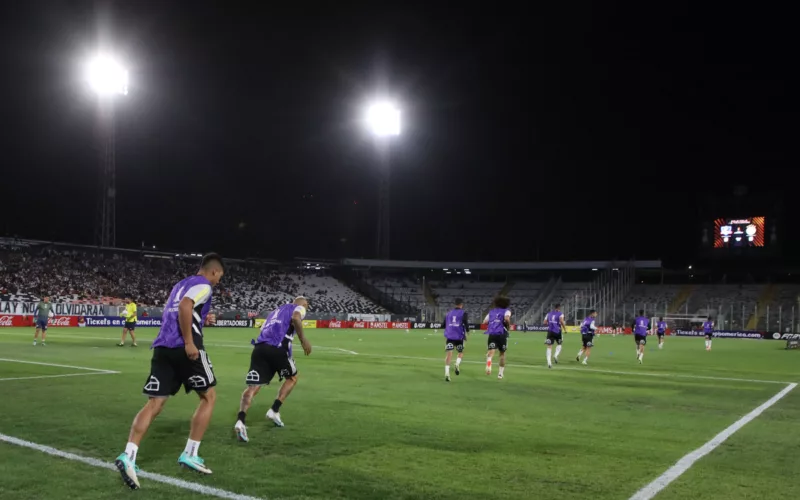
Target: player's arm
{"type": "Point", "coordinates": [592, 327]}
{"type": "Point", "coordinates": [465, 322]}
{"type": "Point", "coordinates": [297, 321]}
{"type": "Point", "coordinates": [134, 312]}
{"type": "Point", "coordinates": [563, 324]}
{"type": "Point", "coordinates": [197, 295]}
{"type": "Point", "coordinates": [485, 320]}
{"type": "Point", "coordinates": [507, 320]}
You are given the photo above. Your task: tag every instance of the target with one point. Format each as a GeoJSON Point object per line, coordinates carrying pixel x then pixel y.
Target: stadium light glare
{"type": "Point", "coordinates": [106, 76]}
{"type": "Point", "coordinates": [594, 269]}
{"type": "Point", "coordinates": [383, 119]}
{"type": "Point", "coordinates": [690, 267]}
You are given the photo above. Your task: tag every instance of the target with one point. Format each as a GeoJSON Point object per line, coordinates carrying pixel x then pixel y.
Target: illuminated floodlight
{"type": "Point", "coordinates": [383, 119]}
{"type": "Point", "coordinates": [106, 76]}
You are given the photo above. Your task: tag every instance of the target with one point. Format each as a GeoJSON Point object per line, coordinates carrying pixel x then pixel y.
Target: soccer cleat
{"type": "Point", "coordinates": [578, 358]}
{"type": "Point", "coordinates": [447, 378]}
{"type": "Point", "coordinates": [275, 417]}
{"type": "Point", "coordinates": [43, 344]}
{"type": "Point", "coordinates": [555, 359]}
{"type": "Point", "coordinates": [640, 360]}
{"type": "Point", "coordinates": [127, 469]}
{"type": "Point", "coordinates": [121, 344]}
{"type": "Point", "coordinates": [457, 370]}
{"type": "Point", "coordinates": [549, 365]}
{"type": "Point", "coordinates": [585, 362]}
{"type": "Point", "coordinates": [500, 376]}
{"type": "Point", "coordinates": [134, 345]}
{"type": "Point", "coordinates": [488, 371]}
{"type": "Point", "coordinates": [241, 431]}
{"type": "Point", "coordinates": [196, 464]}
{"type": "Point", "coordinates": [34, 342]}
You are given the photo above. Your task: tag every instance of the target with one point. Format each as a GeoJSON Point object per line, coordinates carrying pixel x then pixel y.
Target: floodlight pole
{"type": "Point", "coordinates": [106, 217]}
{"type": "Point", "coordinates": [384, 204]}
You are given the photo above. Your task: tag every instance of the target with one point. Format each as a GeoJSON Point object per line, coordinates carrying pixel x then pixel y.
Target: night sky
{"type": "Point", "coordinates": [595, 131]}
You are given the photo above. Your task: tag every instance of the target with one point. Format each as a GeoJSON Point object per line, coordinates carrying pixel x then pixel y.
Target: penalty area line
{"type": "Point", "coordinates": [178, 483]}
{"type": "Point", "coordinates": [682, 465]}
{"type": "Point", "coordinates": [86, 368]}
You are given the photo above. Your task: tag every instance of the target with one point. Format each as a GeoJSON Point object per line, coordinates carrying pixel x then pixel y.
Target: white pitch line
{"type": "Point", "coordinates": [57, 366]}
{"type": "Point", "coordinates": [674, 472]}
{"type": "Point", "coordinates": [178, 483]}
{"type": "Point", "coordinates": [58, 376]}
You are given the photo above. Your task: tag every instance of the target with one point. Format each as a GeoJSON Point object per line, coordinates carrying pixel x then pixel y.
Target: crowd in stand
{"type": "Point", "coordinates": [28, 273]}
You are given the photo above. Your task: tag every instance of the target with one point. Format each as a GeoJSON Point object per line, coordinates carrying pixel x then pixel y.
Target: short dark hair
{"type": "Point", "coordinates": [459, 302]}
{"type": "Point", "coordinates": [710, 318]}
{"type": "Point", "coordinates": [592, 311]}
{"type": "Point", "coordinates": [502, 302]}
{"type": "Point", "coordinates": [557, 306]}
{"type": "Point", "coordinates": [641, 312]}
{"type": "Point", "coordinates": [210, 258]}
{"type": "Point", "coordinates": [661, 318]}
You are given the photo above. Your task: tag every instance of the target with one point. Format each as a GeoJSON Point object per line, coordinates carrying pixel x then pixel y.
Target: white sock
{"type": "Point", "coordinates": [706, 344]}
{"type": "Point", "coordinates": [132, 450]}
{"type": "Point", "coordinates": [501, 370]}
{"type": "Point", "coordinates": [549, 355]}
{"type": "Point", "coordinates": [446, 370]}
{"type": "Point", "coordinates": [586, 358]}
{"type": "Point", "coordinates": [458, 361]}
{"type": "Point", "coordinates": [709, 344]}
{"type": "Point", "coordinates": [580, 353]}
{"type": "Point", "coordinates": [192, 447]}
{"type": "Point", "coordinates": [558, 350]}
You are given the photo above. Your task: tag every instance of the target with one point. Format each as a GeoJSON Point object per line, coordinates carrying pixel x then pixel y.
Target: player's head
{"type": "Point", "coordinates": [128, 300]}
{"type": "Point", "coordinates": [593, 313]}
{"type": "Point", "coordinates": [46, 299]}
{"type": "Point", "coordinates": [557, 307]}
{"type": "Point", "coordinates": [301, 301]}
{"type": "Point", "coordinates": [661, 318]}
{"type": "Point", "coordinates": [709, 318]}
{"type": "Point", "coordinates": [502, 302]}
{"type": "Point", "coordinates": [459, 303]}
{"type": "Point", "coordinates": [641, 312]}
{"type": "Point", "coordinates": [212, 267]}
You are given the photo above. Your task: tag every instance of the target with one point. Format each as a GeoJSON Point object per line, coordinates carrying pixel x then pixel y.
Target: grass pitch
{"type": "Point", "coordinates": [372, 417]}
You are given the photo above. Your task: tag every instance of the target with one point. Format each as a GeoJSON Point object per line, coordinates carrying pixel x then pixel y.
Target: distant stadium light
{"type": "Point", "coordinates": [383, 119]}
{"type": "Point", "coordinates": [594, 269]}
{"type": "Point", "coordinates": [690, 267]}
{"type": "Point", "coordinates": [107, 76]}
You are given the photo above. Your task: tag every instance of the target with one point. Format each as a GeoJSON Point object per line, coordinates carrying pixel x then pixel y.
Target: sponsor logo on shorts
{"type": "Point", "coordinates": [197, 382]}
{"type": "Point", "coordinates": [152, 385]}
{"type": "Point", "coordinates": [253, 376]}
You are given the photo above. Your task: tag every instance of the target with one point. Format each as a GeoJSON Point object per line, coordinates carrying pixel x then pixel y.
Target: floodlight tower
{"type": "Point", "coordinates": [107, 79]}
{"type": "Point", "coordinates": [383, 121]}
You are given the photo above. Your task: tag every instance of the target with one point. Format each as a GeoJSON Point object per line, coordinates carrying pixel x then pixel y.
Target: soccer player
{"type": "Point", "coordinates": [130, 322]}
{"type": "Point", "coordinates": [272, 353]}
{"type": "Point", "coordinates": [661, 330]}
{"type": "Point", "coordinates": [455, 334]}
{"type": "Point", "coordinates": [179, 359]}
{"type": "Point", "coordinates": [708, 330]}
{"type": "Point", "coordinates": [42, 314]}
{"type": "Point", "coordinates": [555, 329]}
{"type": "Point", "coordinates": [640, 326]}
{"type": "Point", "coordinates": [588, 329]}
{"type": "Point", "coordinates": [499, 320]}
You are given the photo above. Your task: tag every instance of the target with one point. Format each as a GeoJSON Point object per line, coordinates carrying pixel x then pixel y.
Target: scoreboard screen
{"type": "Point", "coordinates": [739, 233]}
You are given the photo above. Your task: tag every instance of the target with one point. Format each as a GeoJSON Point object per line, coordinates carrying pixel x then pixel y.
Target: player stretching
{"type": "Point", "coordinates": [640, 326]}
{"type": "Point", "coordinates": [179, 359]}
{"type": "Point", "coordinates": [555, 329]}
{"type": "Point", "coordinates": [455, 334]}
{"type": "Point", "coordinates": [42, 313]}
{"type": "Point", "coordinates": [273, 354]}
{"type": "Point", "coordinates": [130, 322]}
{"type": "Point", "coordinates": [708, 330]}
{"type": "Point", "coordinates": [588, 329]}
{"type": "Point", "coordinates": [499, 320]}
{"type": "Point", "coordinates": [661, 330]}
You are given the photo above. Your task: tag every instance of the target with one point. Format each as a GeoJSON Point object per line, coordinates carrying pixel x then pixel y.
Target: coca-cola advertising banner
{"type": "Point", "coordinates": [27, 308]}
{"type": "Point", "coordinates": [18, 320]}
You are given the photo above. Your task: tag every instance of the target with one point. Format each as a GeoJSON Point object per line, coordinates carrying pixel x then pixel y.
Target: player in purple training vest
{"type": "Point", "coordinates": [179, 360]}
{"type": "Point", "coordinates": [708, 330]}
{"type": "Point", "coordinates": [661, 330]}
{"type": "Point", "coordinates": [640, 327]}
{"type": "Point", "coordinates": [588, 329]}
{"type": "Point", "coordinates": [455, 334]}
{"type": "Point", "coordinates": [499, 321]}
{"type": "Point", "coordinates": [555, 331]}
{"type": "Point", "coordinates": [272, 353]}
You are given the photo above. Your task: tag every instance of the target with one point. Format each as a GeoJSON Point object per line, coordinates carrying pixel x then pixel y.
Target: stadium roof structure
{"type": "Point", "coordinates": [506, 266]}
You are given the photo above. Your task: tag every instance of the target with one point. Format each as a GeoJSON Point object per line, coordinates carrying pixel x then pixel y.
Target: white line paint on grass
{"type": "Point", "coordinates": [178, 483]}
{"type": "Point", "coordinates": [59, 376]}
{"type": "Point", "coordinates": [687, 461]}
{"type": "Point", "coordinates": [99, 370]}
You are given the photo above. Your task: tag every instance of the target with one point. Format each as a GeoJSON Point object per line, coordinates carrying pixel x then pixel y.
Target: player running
{"type": "Point", "coordinates": [179, 359]}
{"type": "Point", "coordinates": [555, 329]}
{"type": "Point", "coordinates": [499, 320]}
{"type": "Point", "coordinates": [661, 330]}
{"type": "Point", "coordinates": [708, 330]}
{"type": "Point", "coordinates": [273, 354]}
{"type": "Point", "coordinates": [588, 329]}
{"type": "Point", "coordinates": [42, 314]}
{"type": "Point", "coordinates": [130, 322]}
{"type": "Point", "coordinates": [640, 326]}
{"type": "Point", "coordinates": [455, 334]}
